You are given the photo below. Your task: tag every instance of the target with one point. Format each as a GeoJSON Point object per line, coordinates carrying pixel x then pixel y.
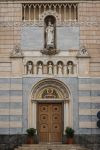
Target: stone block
{"type": "Point", "coordinates": [32, 38]}
{"type": "Point", "coordinates": [68, 34]}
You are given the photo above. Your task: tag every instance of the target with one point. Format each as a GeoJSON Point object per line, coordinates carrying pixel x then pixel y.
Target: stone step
{"type": "Point", "coordinates": [50, 147]}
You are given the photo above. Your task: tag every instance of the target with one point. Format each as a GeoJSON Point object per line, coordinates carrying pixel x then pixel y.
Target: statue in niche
{"type": "Point", "coordinates": [30, 68]}
{"type": "Point", "coordinates": [70, 68]}
{"type": "Point", "coordinates": [40, 68]}
{"type": "Point", "coordinates": [50, 35]}
{"type": "Point", "coordinates": [50, 68]}
{"type": "Point", "coordinates": [60, 67]}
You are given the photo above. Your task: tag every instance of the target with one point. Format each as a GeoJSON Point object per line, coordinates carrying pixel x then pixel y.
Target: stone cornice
{"type": "Point", "coordinates": [49, 1]}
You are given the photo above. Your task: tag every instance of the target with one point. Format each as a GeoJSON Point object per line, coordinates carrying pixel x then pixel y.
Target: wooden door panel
{"type": "Point", "coordinates": [50, 122]}
{"type": "Point", "coordinates": [56, 137]}
{"type": "Point", "coordinates": [56, 122]}
{"type": "Point", "coordinates": [43, 122]}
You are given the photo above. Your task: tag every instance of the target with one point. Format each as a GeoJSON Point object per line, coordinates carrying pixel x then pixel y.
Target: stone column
{"type": "Point", "coordinates": [24, 6]}
{"type": "Point", "coordinates": [64, 12]}
{"type": "Point", "coordinates": [34, 12]}
{"type": "Point", "coordinates": [33, 115]}
{"type": "Point", "coordinates": [39, 11]}
{"type": "Point", "coordinates": [60, 11]}
{"type": "Point", "coordinates": [29, 12]}
{"type": "Point", "coordinates": [66, 115]}
{"type": "Point", "coordinates": [75, 12]}
{"type": "Point", "coordinates": [55, 69]}
{"type": "Point", "coordinates": [70, 17]}
{"type": "Point", "coordinates": [25, 69]}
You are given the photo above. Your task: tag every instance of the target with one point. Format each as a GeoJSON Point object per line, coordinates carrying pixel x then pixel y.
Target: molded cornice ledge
{"type": "Point", "coordinates": [49, 1]}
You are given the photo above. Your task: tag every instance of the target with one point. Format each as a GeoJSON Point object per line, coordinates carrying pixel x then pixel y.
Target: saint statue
{"type": "Point", "coordinates": [70, 68]}
{"type": "Point", "coordinates": [29, 68]}
{"type": "Point", "coordinates": [40, 69]}
{"type": "Point", "coordinates": [50, 68]}
{"type": "Point", "coordinates": [60, 68]}
{"type": "Point", "coordinates": [50, 35]}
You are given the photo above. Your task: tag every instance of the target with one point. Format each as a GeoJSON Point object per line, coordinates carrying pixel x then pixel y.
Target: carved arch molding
{"type": "Point", "coordinates": [50, 13]}
{"type": "Point", "coordinates": [50, 89]}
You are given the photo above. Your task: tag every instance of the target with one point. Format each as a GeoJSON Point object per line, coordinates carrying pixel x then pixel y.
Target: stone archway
{"type": "Point", "coordinates": [51, 93]}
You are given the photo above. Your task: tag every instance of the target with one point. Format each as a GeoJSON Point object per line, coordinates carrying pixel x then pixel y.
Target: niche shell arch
{"type": "Point", "coordinates": [50, 90]}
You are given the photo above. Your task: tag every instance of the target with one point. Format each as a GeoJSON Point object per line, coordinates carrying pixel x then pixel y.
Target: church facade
{"type": "Point", "coordinates": [50, 69]}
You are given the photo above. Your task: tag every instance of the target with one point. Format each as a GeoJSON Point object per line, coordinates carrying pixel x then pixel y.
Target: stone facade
{"type": "Point", "coordinates": [17, 83]}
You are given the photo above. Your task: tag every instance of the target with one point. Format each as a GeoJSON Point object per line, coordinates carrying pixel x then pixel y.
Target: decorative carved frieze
{"type": "Point", "coordinates": [41, 23]}
{"type": "Point", "coordinates": [37, 11]}
{"type": "Point", "coordinates": [60, 68]}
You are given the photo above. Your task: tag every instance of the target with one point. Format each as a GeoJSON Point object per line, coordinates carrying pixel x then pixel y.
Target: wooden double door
{"type": "Point", "coordinates": [50, 122]}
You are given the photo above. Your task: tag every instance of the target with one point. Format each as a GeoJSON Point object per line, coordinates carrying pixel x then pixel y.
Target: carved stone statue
{"type": "Point", "coordinates": [70, 68]}
{"type": "Point", "coordinates": [50, 68]}
{"type": "Point", "coordinates": [40, 68]}
{"type": "Point", "coordinates": [50, 35]}
{"type": "Point", "coordinates": [60, 68]}
{"type": "Point", "coordinates": [30, 68]}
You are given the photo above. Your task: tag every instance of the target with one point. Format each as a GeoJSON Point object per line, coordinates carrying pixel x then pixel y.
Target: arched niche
{"type": "Point", "coordinates": [70, 67]}
{"type": "Point", "coordinates": [29, 67]}
{"type": "Point", "coordinates": [50, 22]}
{"type": "Point", "coordinates": [60, 67]}
{"type": "Point", "coordinates": [50, 91]}
{"type": "Point", "coordinates": [50, 67]}
{"type": "Point", "coordinates": [39, 67]}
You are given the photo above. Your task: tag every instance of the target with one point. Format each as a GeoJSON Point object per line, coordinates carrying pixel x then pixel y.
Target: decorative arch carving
{"type": "Point", "coordinates": [50, 88]}
{"type": "Point", "coordinates": [50, 13]}
{"type": "Point", "coordinates": [58, 91]}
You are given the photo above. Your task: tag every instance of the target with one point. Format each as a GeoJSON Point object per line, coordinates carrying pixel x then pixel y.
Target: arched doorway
{"type": "Point", "coordinates": [50, 110]}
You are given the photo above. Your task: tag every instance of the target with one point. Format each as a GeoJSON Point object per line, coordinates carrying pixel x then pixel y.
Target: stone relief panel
{"type": "Point", "coordinates": [60, 68]}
